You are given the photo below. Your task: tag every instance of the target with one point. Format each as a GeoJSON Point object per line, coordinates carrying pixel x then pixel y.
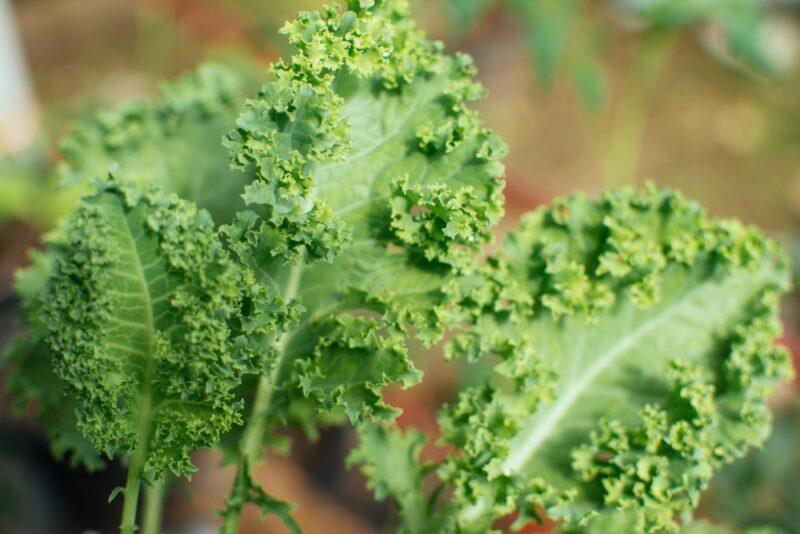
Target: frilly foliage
{"type": "Point", "coordinates": [375, 181]}
{"type": "Point", "coordinates": [633, 345]}
{"type": "Point", "coordinates": [630, 340]}
{"type": "Point", "coordinates": [391, 461]}
{"type": "Point", "coordinates": [362, 137]}
{"type": "Point", "coordinates": [637, 311]}
{"type": "Point", "coordinates": [302, 129]}
{"type": "Point", "coordinates": [141, 314]}
{"type": "Point", "coordinates": [32, 382]}
{"type": "Point", "coordinates": [172, 141]}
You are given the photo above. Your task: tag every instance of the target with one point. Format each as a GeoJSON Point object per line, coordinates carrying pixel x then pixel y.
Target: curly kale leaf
{"type": "Point", "coordinates": [390, 459]}
{"type": "Point", "coordinates": [375, 183]}
{"type": "Point", "coordinates": [143, 315]}
{"type": "Point", "coordinates": [32, 383]}
{"type": "Point", "coordinates": [636, 340]}
{"type": "Point", "coordinates": [173, 141]}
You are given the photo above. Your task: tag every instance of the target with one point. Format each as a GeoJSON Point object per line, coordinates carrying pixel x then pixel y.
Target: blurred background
{"type": "Point", "coordinates": [700, 95]}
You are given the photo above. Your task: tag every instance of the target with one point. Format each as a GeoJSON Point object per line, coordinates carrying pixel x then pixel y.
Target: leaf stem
{"type": "Point", "coordinates": [137, 462]}
{"type": "Point", "coordinates": [253, 436]}
{"type": "Point", "coordinates": [131, 495]}
{"type": "Point", "coordinates": [249, 449]}
{"type": "Point", "coordinates": [139, 458]}
{"type": "Point", "coordinates": [154, 494]}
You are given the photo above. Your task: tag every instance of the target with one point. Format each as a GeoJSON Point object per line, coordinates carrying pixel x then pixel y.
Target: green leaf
{"type": "Point", "coordinates": [375, 182]}
{"type": "Point", "coordinates": [141, 313]}
{"type": "Point", "coordinates": [32, 384]}
{"type": "Point", "coordinates": [172, 141]}
{"type": "Point", "coordinates": [352, 362]}
{"type": "Point", "coordinates": [390, 459]}
{"type": "Point", "coordinates": [636, 345]}
{"type": "Point", "coordinates": [116, 491]}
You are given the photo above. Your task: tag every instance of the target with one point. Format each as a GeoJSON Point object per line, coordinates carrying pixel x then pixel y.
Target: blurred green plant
{"type": "Point", "coordinates": [567, 38]}
{"type": "Point", "coordinates": [29, 189]}
{"type": "Point", "coordinates": [172, 141]}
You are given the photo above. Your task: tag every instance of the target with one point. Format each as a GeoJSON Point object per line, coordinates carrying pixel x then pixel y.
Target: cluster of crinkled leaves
{"type": "Point", "coordinates": [633, 341]}
{"type": "Point", "coordinates": [174, 142]}
{"type": "Point", "coordinates": [634, 335]}
{"type": "Point", "coordinates": [33, 381]}
{"type": "Point", "coordinates": [375, 182]}
{"type": "Point", "coordinates": [148, 320]}
{"type": "Point", "coordinates": [369, 182]}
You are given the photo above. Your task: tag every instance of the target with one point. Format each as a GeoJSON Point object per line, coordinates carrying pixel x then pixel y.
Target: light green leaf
{"type": "Point", "coordinates": [390, 459]}
{"type": "Point", "coordinates": [173, 141]}
{"type": "Point", "coordinates": [142, 311]}
{"type": "Point", "coordinates": [636, 345]}
{"type": "Point", "coordinates": [375, 182]}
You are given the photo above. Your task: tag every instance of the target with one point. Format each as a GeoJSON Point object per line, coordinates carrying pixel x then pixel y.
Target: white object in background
{"type": "Point", "coordinates": [18, 111]}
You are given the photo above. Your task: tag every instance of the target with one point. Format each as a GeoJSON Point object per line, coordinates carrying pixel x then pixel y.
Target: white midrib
{"type": "Point", "coordinates": [534, 436]}
{"type": "Point", "coordinates": [290, 292]}
{"type": "Point", "coordinates": [254, 430]}
{"type": "Point", "coordinates": [146, 401]}
{"type": "Point", "coordinates": [292, 288]}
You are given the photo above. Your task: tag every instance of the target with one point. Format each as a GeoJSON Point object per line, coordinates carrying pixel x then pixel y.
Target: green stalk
{"type": "Point", "coordinates": [249, 448]}
{"type": "Point", "coordinates": [136, 465]}
{"type": "Point", "coordinates": [131, 495]}
{"type": "Point", "coordinates": [154, 494]}
{"type": "Point", "coordinates": [139, 458]}
{"type": "Point", "coordinates": [252, 439]}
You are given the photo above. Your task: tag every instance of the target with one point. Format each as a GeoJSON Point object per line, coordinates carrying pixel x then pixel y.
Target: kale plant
{"type": "Point", "coordinates": [186, 304]}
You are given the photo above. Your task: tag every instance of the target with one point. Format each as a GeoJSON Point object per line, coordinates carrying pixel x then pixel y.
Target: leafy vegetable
{"type": "Point", "coordinates": [142, 315]}
{"type": "Point", "coordinates": [172, 141]}
{"type": "Point", "coordinates": [630, 340]}
{"type": "Point", "coordinates": [175, 142]}
{"type": "Point", "coordinates": [33, 380]}
{"type": "Point", "coordinates": [391, 462]}
{"type": "Point", "coordinates": [635, 339]}
{"type": "Point", "coordinates": [375, 183]}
